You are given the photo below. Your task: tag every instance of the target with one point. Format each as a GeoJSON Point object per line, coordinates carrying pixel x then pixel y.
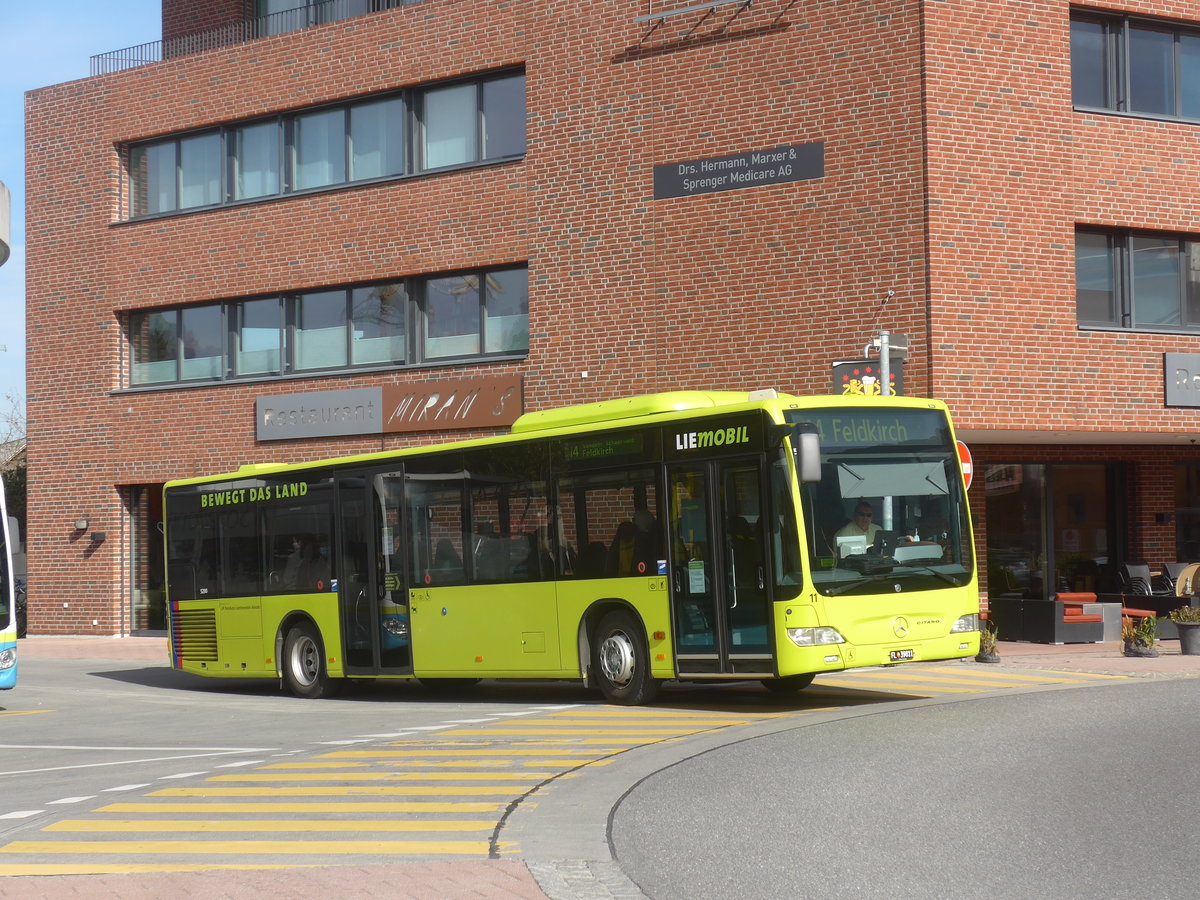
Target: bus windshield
{"type": "Point", "coordinates": [890, 507]}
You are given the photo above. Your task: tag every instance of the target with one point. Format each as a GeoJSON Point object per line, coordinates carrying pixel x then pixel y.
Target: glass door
{"type": "Point", "coordinates": [719, 568]}
{"type": "Point", "coordinates": [371, 590]}
{"type": "Point", "coordinates": [1051, 528]}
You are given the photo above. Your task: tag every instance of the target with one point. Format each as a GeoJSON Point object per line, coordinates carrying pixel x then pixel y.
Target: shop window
{"type": "Point", "coordinates": [1137, 281]}
{"type": "Point", "coordinates": [1135, 66]}
{"type": "Point", "coordinates": [1187, 512]}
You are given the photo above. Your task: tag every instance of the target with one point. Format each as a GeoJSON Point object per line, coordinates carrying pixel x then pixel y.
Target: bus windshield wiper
{"type": "Point", "coordinates": [930, 571]}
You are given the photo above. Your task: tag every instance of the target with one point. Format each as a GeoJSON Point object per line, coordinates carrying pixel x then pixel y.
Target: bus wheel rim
{"type": "Point", "coordinates": [617, 658]}
{"type": "Point", "coordinates": [304, 660]}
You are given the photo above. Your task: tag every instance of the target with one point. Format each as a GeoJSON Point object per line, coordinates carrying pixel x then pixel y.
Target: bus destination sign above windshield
{"type": "Point", "coordinates": [792, 162]}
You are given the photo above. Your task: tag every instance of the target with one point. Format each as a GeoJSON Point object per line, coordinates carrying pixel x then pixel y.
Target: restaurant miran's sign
{"type": "Point", "coordinates": [390, 409]}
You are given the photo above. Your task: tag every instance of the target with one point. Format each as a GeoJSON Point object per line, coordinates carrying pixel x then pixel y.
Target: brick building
{"type": "Point", "coordinates": [277, 233]}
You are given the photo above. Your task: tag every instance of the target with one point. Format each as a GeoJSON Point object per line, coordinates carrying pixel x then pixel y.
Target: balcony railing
{"type": "Point", "coordinates": [237, 32]}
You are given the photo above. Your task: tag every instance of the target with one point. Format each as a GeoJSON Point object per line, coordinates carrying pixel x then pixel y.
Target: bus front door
{"type": "Point", "coordinates": [719, 569]}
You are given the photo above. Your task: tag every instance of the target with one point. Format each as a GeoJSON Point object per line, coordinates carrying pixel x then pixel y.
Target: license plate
{"type": "Point", "coordinates": [900, 655]}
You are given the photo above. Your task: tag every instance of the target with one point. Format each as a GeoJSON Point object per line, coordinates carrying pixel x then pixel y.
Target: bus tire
{"type": "Point", "coordinates": [621, 660]}
{"type": "Point", "coordinates": [789, 684]}
{"type": "Point", "coordinates": [304, 669]}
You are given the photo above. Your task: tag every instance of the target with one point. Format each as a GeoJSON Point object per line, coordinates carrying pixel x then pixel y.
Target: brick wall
{"type": "Point", "coordinates": [182, 17]}
{"type": "Point", "coordinates": [757, 287]}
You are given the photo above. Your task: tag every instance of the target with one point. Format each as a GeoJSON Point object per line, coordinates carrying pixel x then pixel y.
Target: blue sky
{"type": "Point", "coordinates": [41, 44]}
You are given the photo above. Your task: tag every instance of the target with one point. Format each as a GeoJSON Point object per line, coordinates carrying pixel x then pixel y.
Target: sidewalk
{"type": "Point", "coordinates": [1104, 659]}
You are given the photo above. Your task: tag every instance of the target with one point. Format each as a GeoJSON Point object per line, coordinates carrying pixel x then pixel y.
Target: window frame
{"type": "Point", "coordinates": [412, 135]}
{"type": "Point", "coordinates": [411, 299]}
{"type": "Point", "coordinates": [1119, 65]}
{"type": "Point", "coordinates": [1124, 280]}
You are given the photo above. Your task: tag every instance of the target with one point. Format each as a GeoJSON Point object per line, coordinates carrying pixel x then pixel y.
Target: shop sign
{"type": "Point", "coordinates": [1181, 379]}
{"type": "Point", "coordinates": [865, 377]}
{"type": "Point", "coordinates": [779, 165]}
{"type": "Point", "coordinates": [391, 409]}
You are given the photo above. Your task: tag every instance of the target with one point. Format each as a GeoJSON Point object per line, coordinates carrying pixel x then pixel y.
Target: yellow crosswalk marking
{"type": "Point", "coordinates": [377, 806]}
{"type": "Point", "coordinates": [267, 825]}
{"type": "Point", "coordinates": [490, 750]}
{"type": "Point", "coordinates": [895, 684]}
{"type": "Point", "coordinates": [314, 790]}
{"type": "Point", "coordinates": [1042, 676]}
{"type": "Point", "coordinates": [617, 732]}
{"type": "Point", "coordinates": [385, 776]}
{"type": "Point", "coordinates": [20, 869]}
{"type": "Point", "coordinates": [243, 848]}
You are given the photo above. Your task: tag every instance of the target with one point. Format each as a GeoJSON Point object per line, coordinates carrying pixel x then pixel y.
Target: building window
{"type": "Point", "coordinates": [481, 314]}
{"type": "Point", "coordinates": [467, 123]}
{"type": "Point", "coordinates": [181, 173]}
{"type": "Point", "coordinates": [1135, 66]}
{"type": "Point", "coordinates": [1141, 282]}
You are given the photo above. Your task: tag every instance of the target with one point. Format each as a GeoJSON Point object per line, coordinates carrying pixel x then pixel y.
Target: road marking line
{"type": "Point", "coordinates": [73, 799]}
{"type": "Point", "coordinates": [22, 814]}
{"type": "Point", "coordinates": [314, 790]}
{"type": "Point", "coordinates": [534, 729]}
{"type": "Point", "coordinates": [384, 776]}
{"type": "Point", "coordinates": [266, 825]}
{"type": "Point", "coordinates": [249, 806]}
{"type": "Point", "coordinates": [1045, 673]}
{"type": "Point", "coordinates": [19, 869]}
{"type": "Point", "coordinates": [897, 685]}
{"type": "Point", "coordinates": [243, 848]}
{"type": "Point", "coordinates": [490, 750]}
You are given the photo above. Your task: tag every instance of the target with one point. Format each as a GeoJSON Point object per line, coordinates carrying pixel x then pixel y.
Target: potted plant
{"type": "Point", "coordinates": [1187, 623]}
{"type": "Point", "coordinates": [1139, 635]}
{"type": "Point", "coordinates": [988, 635]}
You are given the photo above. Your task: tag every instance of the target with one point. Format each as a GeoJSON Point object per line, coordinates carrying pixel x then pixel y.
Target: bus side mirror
{"type": "Point", "coordinates": [806, 444]}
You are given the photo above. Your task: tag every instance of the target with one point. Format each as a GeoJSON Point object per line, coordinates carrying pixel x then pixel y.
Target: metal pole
{"type": "Point", "coordinates": [885, 364]}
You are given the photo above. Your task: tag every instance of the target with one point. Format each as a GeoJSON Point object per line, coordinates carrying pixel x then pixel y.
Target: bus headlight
{"type": "Point", "coordinates": [965, 623]}
{"type": "Point", "coordinates": [812, 637]}
{"type": "Point", "coordinates": [8, 658]}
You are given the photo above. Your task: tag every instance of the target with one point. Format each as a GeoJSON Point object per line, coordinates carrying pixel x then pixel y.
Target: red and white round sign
{"type": "Point", "coordinates": [964, 458]}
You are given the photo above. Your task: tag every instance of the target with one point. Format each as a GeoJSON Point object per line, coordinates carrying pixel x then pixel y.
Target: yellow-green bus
{"type": "Point", "coordinates": [692, 536]}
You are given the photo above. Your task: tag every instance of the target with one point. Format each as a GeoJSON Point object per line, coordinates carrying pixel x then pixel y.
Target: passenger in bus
{"type": "Point", "coordinates": [291, 569]}
{"type": "Point", "coordinates": [861, 524]}
{"type": "Point", "coordinates": [447, 564]}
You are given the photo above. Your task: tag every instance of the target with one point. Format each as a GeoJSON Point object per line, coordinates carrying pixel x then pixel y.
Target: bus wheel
{"type": "Point", "coordinates": [304, 664]}
{"type": "Point", "coordinates": [789, 684]}
{"type": "Point", "coordinates": [622, 661]}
